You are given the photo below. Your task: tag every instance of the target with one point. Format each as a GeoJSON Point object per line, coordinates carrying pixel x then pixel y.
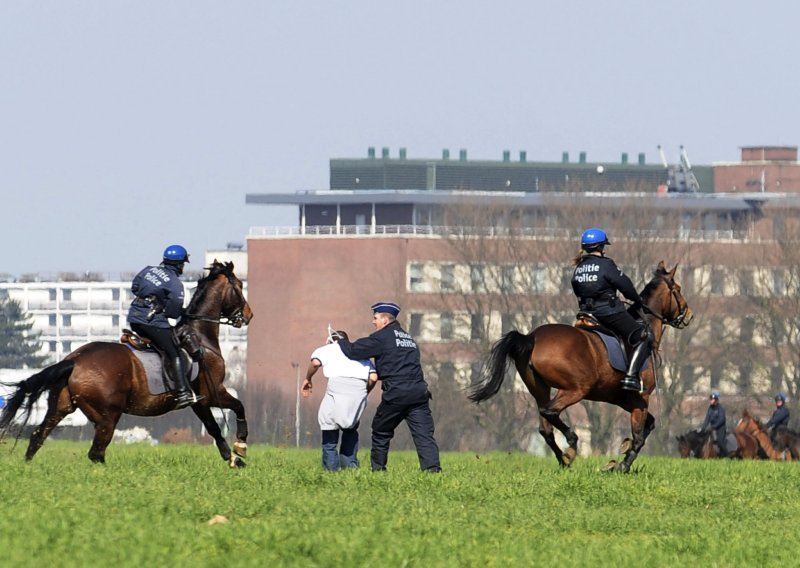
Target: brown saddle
{"type": "Point", "coordinates": [135, 340]}
{"type": "Point", "coordinates": [582, 319]}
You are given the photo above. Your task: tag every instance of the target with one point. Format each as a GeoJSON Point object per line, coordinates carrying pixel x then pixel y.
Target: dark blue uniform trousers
{"type": "Point", "coordinates": [420, 422]}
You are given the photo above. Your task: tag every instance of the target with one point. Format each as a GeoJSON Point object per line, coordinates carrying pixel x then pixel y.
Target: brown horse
{"type": "Point", "coordinates": [752, 426]}
{"type": "Point", "coordinates": [575, 363]}
{"type": "Point", "coordinates": [700, 445]}
{"type": "Point", "coordinates": [105, 380]}
{"type": "Point", "coordinates": [788, 440]}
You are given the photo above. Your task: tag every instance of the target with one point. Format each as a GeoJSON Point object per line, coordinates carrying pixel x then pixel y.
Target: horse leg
{"type": "Point", "coordinates": [639, 419]}
{"type": "Point", "coordinates": [546, 430]}
{"type": "Point", "coordinates": [105, 423]}
{"type": "Point", "coordinates": [58, 406]}
{"type": "Point", "coordinates": [213, 429]}
{"type": "Point", "coordinates": [541, 393]}
{"type": "Point", "coordinates": [227, 400]}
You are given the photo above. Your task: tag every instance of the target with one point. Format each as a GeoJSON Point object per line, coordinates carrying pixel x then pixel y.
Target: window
{"type": "Point", "coordinates": [507, 284]}
{"type": "Point", "coordinates": [52, 294]}
{"type": "Point", "coordinates": [51, 320]}
{"type": "Point", "coordinates": [446, 326]}
{"type": "Point", "coordinates": [416, 278]}
{"type": "Point", "coordinates": [717, 281]}
{"type": "Point", "coordinates": [115, 294]}
{"type": "Point", "coordinates": [67, 294]}
{"type": "Point", "coordinates": [506, 323]}
{"type": "Point", "coordinates": [415, 325]}
{"type": "Point", "coordinates": [746, 282]}
{"type": "Point", "coordinates": [447, 372]}
{"type": "Point", "coordinates": [746, 330]}
{"type": "Point", "coordinates": [52, 346]}
{"type": "Point", "coordinates": [447, 277]}
{"type": "Point", "coordinates": [476, 275]}
{"type": "Point", "coordinates": [778, 282]}
{"type": "Point", "coordinates": [115, 321]}
{"type": "Point", "coordinates": [66, 320]}
{"type": "Point", "coordinates": [476, 327]}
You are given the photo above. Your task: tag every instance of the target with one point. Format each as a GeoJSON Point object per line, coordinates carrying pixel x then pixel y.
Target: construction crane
{"type": "Point", "coordinates": [680, 177]}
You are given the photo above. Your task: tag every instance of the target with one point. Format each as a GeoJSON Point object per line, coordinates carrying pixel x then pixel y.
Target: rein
{"type": "Point", "coordinates": [678, 321]}
{"type": "Point", "coordinates": [236, 319]}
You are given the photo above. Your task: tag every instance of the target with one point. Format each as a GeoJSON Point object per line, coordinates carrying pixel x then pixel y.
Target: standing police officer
{"type": "Point", "coordinates": [159, 295]}
{"type": "Point", "coordinates": [595, 282]}
{"type": "Point", "coordinates": [716, 422]}
{"type": "Point", "coordinates": [405, 393]}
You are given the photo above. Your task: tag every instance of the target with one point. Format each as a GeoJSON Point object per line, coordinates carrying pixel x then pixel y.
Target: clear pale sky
{"type": "Point", "coordinates": [128, 126]}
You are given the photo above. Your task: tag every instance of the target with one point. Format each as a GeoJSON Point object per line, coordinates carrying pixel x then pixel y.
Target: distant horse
{"type": "Point", "coordinates": [700, 445]}
{"type": "Point", "coordinates": [105, 380]}
{"type": "Point", "coordinates": [788, 440]}
{"type": "Point", "coordinates": [752, 426]}
{"type": "Point", "coordinates": [575, 363]}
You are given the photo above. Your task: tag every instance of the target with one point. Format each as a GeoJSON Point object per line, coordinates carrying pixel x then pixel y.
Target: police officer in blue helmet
{"type": "Point", "coordinates": [159, 297]}
{"type": "Point", "coordinates": [780, 417]}
{"type": "Point", "coordinates": [716, 423]}
{"type": "Point", "coordinates": [596, 281]}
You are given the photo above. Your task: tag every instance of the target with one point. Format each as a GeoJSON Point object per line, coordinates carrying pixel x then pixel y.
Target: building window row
{"type": "Point", "coordinates": [554, 279]}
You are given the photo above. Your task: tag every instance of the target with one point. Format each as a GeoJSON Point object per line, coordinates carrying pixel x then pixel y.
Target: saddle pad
{"type": "Point", "coordinates": [616, 356]}
{"type": "Point", "coordinates": [151, 361]}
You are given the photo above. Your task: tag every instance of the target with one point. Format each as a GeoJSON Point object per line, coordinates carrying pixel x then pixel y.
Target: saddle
{"type": "Point", "coordinates": [136, 341]}
{"type": "Point", "coordinates": [618, 350]}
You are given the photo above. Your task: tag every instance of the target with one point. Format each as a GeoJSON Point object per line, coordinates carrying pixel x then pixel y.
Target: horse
{"type": "Point", "coordinates": [752, 426]}
{"type": "Point", "coordinates": [106, 379]}
{"type": "Point", "coordinates": [575, 362]}
{"type": "Point", "coordinates": [788, 440]}
{"type": "Point", "coordinates": [700, 445]}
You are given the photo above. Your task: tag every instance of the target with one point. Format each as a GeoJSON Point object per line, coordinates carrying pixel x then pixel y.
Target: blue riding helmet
{"type": "Point", "coordinates": [714, 396]}
{"type": "Point", "coordinates": [176, 253]}
{"type": "Point", "coordinates": [780, 396]}
{"type": "Point", "coordinates": [594, 237]}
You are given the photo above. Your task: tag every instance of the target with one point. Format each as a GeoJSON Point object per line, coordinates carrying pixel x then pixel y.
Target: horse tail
{"type": "Point", "coordinates": [29, 390]}
{"type": "Point", "coordinates": [512, 346]}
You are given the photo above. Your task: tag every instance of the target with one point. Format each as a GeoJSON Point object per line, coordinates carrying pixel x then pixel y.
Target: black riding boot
{"type": "Point", "coordinates": [176, 371]}
{"type": "Point", "coordinates": [631, 381]}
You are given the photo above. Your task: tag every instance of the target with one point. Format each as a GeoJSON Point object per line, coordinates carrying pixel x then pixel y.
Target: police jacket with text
{"type": "Point", "coordinates": [396, 360]}
{"type": "Point", "coordinates": [780, 418]}
{"type": "Point", "coordinates": [715, 418]}
{"type": "Point", "coordinates": [159, 295]}
{"type": "Point", "coordinates": [595, 282]}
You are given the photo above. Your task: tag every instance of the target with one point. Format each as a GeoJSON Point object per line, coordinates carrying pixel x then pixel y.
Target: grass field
{"type": "Point", "coordinates": [151, 505]}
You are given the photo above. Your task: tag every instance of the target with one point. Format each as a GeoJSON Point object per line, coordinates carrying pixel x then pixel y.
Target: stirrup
{"type": "Point", "coordinates": [186, 398]}
{"type": "Point", "coordinates": [631, 384]}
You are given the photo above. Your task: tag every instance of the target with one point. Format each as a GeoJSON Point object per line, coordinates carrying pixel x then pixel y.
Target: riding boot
{"type": "Point", "coordinates": [631, 381]}
{"type": "Point", "coordinates": [184, 396]}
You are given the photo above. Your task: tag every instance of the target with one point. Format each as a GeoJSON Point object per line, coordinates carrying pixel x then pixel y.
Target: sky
{"type": "Point", "coordinates": [127, 126]}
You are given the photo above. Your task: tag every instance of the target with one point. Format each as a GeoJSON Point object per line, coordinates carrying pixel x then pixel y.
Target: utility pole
{"type": "Point", "coordinates": [296, 367]}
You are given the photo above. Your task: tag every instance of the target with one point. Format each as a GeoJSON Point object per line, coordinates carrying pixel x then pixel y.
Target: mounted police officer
{"type": "Point", "coordinates": [159, 295]}
{"type": "Point", "coordinates": [595, 282]}
{"type": "Point", "coordinates": [405, 393]}
{"type": "Point", "coordinates": [780, 418]}
{"type": "Point", "coordinates": [715, 422]}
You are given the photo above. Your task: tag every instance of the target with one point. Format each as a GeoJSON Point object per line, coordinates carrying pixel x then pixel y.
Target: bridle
{"type": "Point", "coordinates": [235, 319]}
{"type": "Point", "coordinates": [679, 321]}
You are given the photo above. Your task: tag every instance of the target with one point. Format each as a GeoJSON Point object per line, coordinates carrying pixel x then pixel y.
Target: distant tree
{"type": "Point", "coordinates": [19, 347]}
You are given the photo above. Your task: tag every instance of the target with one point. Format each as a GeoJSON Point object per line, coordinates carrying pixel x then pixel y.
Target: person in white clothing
{"type": "Point", "coordinates": [349, 382]}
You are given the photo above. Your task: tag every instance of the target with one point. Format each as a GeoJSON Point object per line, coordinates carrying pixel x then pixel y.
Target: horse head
{"type": "Point", "coordinates": [220, 297]}
{"type": "Point", "coordinates": [664, 299]}
{"type": "Point", "coordinates": [748, 424]}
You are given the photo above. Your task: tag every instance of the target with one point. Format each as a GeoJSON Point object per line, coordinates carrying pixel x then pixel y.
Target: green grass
{"type": "Point", "coordinates": [150, 505]}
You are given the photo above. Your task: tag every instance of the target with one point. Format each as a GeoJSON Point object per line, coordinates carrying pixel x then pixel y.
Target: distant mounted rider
{"type": "Point", "coordinates": [159, 297]}
{"type": "Point", "coordinates": [716, 422]}
{"type": "Point", "coordinates": [596, 281]}
{"type": "Point", "coordinates": [780, 417]}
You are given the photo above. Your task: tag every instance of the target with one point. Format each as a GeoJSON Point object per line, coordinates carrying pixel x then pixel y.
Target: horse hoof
{"type": "Point", "coordinates": [569, 456]}
{"type": "Point", "coordinates": [240, 449]}
{"type": "Point", "coordinates": [236, 462]}
{"type": "Point", "coordinates": [626, 446]}
{"type": "Point", "coordinates": [623, 467]}
{"type": "Point", "coordinates": [610, 466]}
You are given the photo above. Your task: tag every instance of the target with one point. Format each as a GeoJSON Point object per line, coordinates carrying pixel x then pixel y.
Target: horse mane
{"type": "Point", "coordinates": [216, 268]}
{"type": "Point", "coordinates": [659, 275]}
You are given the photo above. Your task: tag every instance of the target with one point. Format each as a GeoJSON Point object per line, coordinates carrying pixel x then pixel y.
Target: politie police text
{"type": "Point", "coordinates": [402, 339]}
{"type": "Point", "coordinates": [587, 273]}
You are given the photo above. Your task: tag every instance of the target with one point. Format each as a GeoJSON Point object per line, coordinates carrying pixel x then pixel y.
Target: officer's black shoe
{"type": "Point", "coordinates": [185, 398]}
{"type": "Point", "coordinates": [434, 469]}
{"type": "Point", "coordinates": [630, 383]}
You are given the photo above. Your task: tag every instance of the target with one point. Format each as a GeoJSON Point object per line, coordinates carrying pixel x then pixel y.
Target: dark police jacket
{"type": "Point", "coordinates": [397, 361]}
{"type": "Point", "coordinates": [595, 282]}
{"type": "Point", "coordinates": [156, 287]}
{"type": "Point", "coordinates": [715, 418]}
{"type": "Point", "coordinates": [780, 418]}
